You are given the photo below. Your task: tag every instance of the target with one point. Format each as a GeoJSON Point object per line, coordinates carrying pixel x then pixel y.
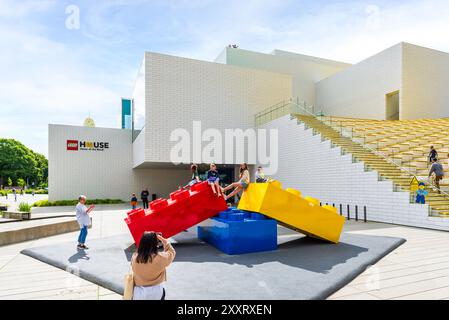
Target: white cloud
{"type": "Point", "coordinates": [46, 81]}
{"type": "Point", "coordinates": [13, 9]}
{"type": "Point", "coordinates": [51, 75]}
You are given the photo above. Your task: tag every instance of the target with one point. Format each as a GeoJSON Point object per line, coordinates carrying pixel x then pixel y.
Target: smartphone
{"type": "Point", "coordinates": [159, 243]}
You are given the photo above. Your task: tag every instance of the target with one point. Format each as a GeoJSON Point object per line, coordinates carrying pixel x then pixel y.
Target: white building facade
{"type": "Point", "coordinates": [174, 94]}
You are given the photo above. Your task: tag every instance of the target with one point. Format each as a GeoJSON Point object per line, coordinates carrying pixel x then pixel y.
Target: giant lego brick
{"type": "Point", "coordinates": [304, 215]}
{"type": "Point", "coordinates": [238, 232]}
{"type": "Point", "coordinates": [183, 210]}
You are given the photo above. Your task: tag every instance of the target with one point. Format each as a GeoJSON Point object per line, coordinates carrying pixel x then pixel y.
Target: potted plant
{"type": "Point", "coordinates": [25, 210]}
{"type": "Point", "coordinates": [3, 207]}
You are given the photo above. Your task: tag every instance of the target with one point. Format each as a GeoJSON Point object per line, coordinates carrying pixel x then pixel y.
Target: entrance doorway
{"type": "Point", "coordinates": [392, 106]}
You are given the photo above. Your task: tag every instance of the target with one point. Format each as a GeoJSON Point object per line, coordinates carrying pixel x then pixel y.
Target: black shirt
{"type": "Point", "coordinates": [144, 195]}
{"type": "Point", "coordinates": [212, 174]}
{"type": "Point", "coordinates": [433, 154]}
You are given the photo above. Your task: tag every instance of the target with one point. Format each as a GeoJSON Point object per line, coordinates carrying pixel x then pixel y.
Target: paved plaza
{"type": "Point", "coordinates": [419, 269]}
{"type": "Point", "coordinates": [28, 198]}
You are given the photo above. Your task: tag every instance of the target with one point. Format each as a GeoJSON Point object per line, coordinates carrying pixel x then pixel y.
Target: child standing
{"type": "Point", "coordinates": [134, 201]}
{"type": "Point", "coordinates": [213, 178]}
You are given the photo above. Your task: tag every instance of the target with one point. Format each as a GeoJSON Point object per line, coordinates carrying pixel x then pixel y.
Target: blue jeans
{"type": "Point", "coordinates": [421, 199]}
{"type": "Point", "coordinates": [83, 235]}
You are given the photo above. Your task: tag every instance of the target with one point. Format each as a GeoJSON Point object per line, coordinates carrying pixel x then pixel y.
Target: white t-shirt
{"type": "Point", "coordinates": [82, 216]}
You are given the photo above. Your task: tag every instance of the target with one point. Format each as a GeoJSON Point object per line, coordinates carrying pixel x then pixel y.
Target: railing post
{"type": "Point", "coordinates": [341, 209]}
{"type": "Point", "coordinates": [349, 214]}
{"type": "Point", "coordinates": [364, 213]}
{"type": "Point", "coordinates": [356, 213]}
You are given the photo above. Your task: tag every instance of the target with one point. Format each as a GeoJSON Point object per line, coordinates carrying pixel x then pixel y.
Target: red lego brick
{"type": "Point", "coordinates": [183, 210]}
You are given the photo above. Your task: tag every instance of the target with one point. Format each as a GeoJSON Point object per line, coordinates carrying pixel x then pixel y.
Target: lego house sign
{"type": "Point", "coordinates": [76, 145]}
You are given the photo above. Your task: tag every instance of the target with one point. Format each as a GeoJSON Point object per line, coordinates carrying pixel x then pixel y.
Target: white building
{"type": "Point", "coordinates": [170, 93]}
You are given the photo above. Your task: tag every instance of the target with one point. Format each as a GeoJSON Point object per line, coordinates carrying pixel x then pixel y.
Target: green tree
{"type": "Point", "coordinates": [41, 169]}
{"type": "Point", "coordinates": [21, 182]}
{"type": "Point", "coordinates": [17, 161]}
{"type": "Point", "coordinates": [9, 182]}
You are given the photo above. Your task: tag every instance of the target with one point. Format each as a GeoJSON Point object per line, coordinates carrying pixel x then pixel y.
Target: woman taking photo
{"type": "Point", "coordinates": [149, 267]}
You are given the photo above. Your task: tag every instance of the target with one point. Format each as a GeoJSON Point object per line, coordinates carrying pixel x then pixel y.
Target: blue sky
{"type": "Point", "coordinates": [52, 74]}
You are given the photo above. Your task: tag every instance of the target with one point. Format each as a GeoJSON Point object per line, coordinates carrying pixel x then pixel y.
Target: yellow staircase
{"type": "Point", "coordinates": [397, 150]}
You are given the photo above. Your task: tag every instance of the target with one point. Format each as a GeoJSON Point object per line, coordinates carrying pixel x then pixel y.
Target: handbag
{"type": "Point", "coordinates": [129, 286]}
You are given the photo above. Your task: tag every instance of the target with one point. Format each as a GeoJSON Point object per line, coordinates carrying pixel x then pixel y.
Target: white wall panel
{"type": "Point", "coordinates": [360, 90]}
{"type": "Point", "coordinates": [425, 83]}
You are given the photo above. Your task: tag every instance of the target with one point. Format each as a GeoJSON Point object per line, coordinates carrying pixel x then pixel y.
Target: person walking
{"type": "Point", "coordinates": [83, 218]}
{"type": "Point", "coordinates": [433, 154]}
{"type": "Point", "coordinates": [149, 267]}
{"type": "Point", "coordinates": [15, 194]}
{"type": "Point", "coordinates": [144, 196]}
{"type": "Point", "coordinates": [437, 170]}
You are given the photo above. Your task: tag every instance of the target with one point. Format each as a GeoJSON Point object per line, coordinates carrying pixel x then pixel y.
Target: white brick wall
{"type": "Point", "coordinates": [313, 167]}
{"type": "Point", "coordinates": [179, 91]}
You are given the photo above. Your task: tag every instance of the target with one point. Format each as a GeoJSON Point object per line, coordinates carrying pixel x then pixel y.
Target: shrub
{"type": "Point", "coordinates": [36, 191]}
{"type": "Point", "coordinates": [46, 203]}
{"type": "Point", "coordinates": [3, 192]}
{"type": "Point", "coordinates": [24, 207]}
{"type": "Point", "coordinates": [20, 182]}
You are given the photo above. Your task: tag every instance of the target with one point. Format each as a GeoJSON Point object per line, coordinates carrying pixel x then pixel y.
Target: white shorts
{"type": "Point", "coordinates": [148, 293]}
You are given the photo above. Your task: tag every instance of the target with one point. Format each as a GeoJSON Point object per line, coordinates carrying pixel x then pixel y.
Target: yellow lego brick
{"type": "Point", "coordinates": [293, 211]}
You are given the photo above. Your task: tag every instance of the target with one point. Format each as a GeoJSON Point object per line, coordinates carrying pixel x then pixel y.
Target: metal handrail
{"type": "Point", "coordinates": [380, 154]}
{"type": "Point", "coordinates": [319, 117]}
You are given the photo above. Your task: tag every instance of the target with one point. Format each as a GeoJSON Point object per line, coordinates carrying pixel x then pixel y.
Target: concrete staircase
{"type": "Point", "coordinates": [397, 150]}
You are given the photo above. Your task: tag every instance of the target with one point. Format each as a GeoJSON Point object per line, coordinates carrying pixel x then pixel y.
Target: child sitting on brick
{"type": "Point", "coordinates": [213, 178]}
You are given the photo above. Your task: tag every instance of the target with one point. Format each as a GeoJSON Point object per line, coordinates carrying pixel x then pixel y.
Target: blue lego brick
{"type": "Point", "coordinates": [239, 232]}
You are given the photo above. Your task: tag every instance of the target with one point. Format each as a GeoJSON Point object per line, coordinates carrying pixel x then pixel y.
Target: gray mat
{"type": "Point", "coordinates": [303, 268]}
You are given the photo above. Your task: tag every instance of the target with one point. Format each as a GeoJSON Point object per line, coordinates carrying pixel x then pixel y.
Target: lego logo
{"type": "Point", "coordinates": [72, 145]}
